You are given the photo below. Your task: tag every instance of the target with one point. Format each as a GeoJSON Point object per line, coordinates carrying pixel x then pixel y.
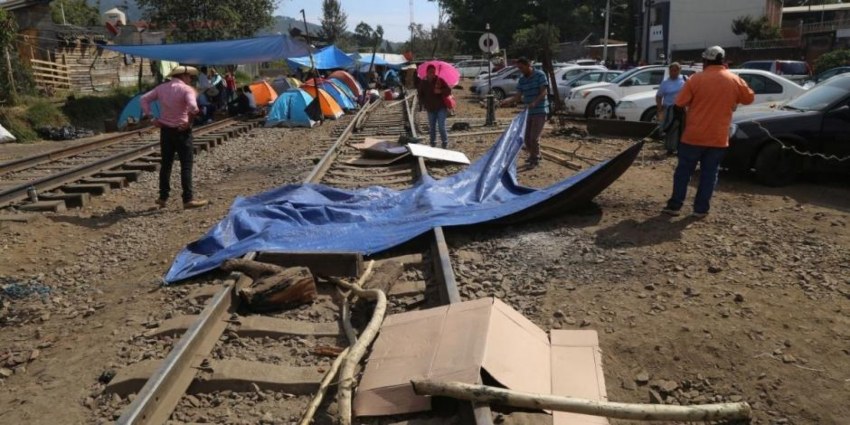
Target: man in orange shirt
{"type": "Point", "coordinates": [710, 98]}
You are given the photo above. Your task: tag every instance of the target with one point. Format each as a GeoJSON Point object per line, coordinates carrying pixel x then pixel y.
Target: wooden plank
{"type": "Point", "coordinates": [95, 189]}
{"type": "Point", "coordinates": [72, 200]}
{"type": "Point", "coordinates": [242, 376]}
{"type": "Point", "coordinates": [51, 206]}
{"type": "Point", "coordinates": [343, 264]}
{"type": "Point", "coordinates": [17, 218]}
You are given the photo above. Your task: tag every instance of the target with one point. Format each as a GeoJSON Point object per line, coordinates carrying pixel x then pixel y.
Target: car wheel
{"type": "Point", "coordinates": [602, 109]}
{"type": "Point", "coordinates": [498, 93]}
{"type": "Point", "coordinates": [650, 115]}
{"type": "Point", "coordinates": [776, 166]}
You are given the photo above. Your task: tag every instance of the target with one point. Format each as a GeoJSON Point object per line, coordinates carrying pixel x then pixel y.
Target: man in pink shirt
{"type": "Point", "coordinates": [178, 107]}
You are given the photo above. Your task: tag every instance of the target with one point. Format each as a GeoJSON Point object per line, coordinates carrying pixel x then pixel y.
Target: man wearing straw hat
{"type": "Point", "coordinates": [178, 106]}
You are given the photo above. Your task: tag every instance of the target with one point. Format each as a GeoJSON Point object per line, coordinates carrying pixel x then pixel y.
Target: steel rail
{"type": "Point", "coordinates": [479, 414]}
{"type": "Point", "coordinates": [160, 394]}
{"type": "Point", "coordinates": [56, 180]}
{"type": "Point", "coordinates": [32, 161]}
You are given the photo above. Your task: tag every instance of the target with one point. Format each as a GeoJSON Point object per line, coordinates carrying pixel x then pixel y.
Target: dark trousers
{"type": "Point", "coordinates": [709, 160]}
{"type": "Point", "coordinates": [173, 141]}
{"type": "Point", "coordinates": [533, 130]}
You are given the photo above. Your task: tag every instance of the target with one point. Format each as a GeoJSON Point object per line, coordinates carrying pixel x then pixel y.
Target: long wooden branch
{"type": "Point", "coordinates": [358, 350]}
{"type": "Point", "coordinates": [323, 388]}
{"type": "Point", "coordinates": [643, 412]}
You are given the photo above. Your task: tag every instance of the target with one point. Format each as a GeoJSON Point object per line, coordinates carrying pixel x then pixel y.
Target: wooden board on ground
{"type": "Point", "coordinates": [342, 264]}
{"type": "Point", "coordinates": [620, 128]}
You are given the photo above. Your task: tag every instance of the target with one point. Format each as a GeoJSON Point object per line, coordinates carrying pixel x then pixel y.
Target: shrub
{"type": "Point", "coordinates": [14, 120]}
{"type": "Point", "coordinates": [92, 110]}
{"type": "Point", "coordinates": [242, 78]}
{"type": "Point", "coordinates": [43, 113]}
{"type": "Point", "coordinates": [832, 59]}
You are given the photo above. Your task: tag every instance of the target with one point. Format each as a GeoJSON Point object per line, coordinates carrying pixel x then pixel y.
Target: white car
{"type": "Point", "coordinates": [568, 73]}
{"type": "Point", "coordinates": [598, 100]}
{"type": "Point", "coordinates": [767, 86]}
{"type": "Point", "coordinates": [473, 67]}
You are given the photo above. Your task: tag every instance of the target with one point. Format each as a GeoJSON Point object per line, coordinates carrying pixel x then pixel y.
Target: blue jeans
{"type": "Point", "coordinates": [435, 119]}
{"type": "Point", "coordinates": [709, 163]}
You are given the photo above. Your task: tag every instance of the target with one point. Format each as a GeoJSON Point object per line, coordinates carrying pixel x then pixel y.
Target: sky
{"type": "Point", "coordinates": [393, 15]}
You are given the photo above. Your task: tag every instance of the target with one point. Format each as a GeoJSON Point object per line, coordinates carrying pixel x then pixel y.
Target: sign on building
{"type": "Point", "coordinates": [656, 33]}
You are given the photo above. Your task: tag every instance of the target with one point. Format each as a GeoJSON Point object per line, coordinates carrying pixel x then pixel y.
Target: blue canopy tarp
{"type": "Point", "coordinates": [289, 110]}
{"type": "Point", "coordinates": [327, 58]}
{"type": "Point", "coordinates": [249, 50]}
{"type": "Point", "coordinates": [132, 111]}
{"type": "Point", "coordinates": [318, 218]}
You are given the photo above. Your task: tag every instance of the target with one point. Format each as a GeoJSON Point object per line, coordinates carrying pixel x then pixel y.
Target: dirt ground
{"type": "Point", "coordinates": [750, 303]}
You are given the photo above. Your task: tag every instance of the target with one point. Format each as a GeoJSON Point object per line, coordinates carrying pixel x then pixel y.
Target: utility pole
{"type": "Point", "coordinates": [11, 73]}
{"type": "Point", "coordinates": [313, 68]}
{"type": "Point", "coordinates": [62, 9]}
{"type": "Point", "coordinates": [607, 22]}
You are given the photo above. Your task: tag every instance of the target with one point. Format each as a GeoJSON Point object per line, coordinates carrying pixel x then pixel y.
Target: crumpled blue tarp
{"type": "Point", "coordinates": [250, 50]}
{"type": "Point", "coordinates": [318, 218]}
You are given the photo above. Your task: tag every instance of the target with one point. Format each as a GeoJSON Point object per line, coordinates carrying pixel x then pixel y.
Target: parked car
{"type": "Point", "coordinates": [584, 62]}
{"type": "Point", "coordinates": [767, 86]}
{"type": "Point", "coordinates": [504, 83]}
{"type": "Point", "coordinates": [473, 67]}
{"type": "Point", "coordinates": [814, 122]}
{"type": "Point", "coordinates": [481, 80]}
{"type": "Point", "coordinates": [598, 100]}
{"type": "Point", "coordinates": [823, 76]}
{"type": "Point", "coordinates": [586, 77]}
{"type": "Point", "coordinates": [568, 73]}
{"type": "Point", "coordinates": [797, 71]}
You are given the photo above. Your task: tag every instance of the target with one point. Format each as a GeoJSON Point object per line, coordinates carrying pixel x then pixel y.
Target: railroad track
{"type": "Point", "coordinates": [68, 177]}
{"type": "Point", "coordinates": [206, 360]}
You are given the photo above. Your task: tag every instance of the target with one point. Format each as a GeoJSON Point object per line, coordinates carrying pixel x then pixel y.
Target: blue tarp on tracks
{"type": "Point", "coordinates": [318, 218]}
{"type": "Point", "coordinates": [327, 58]}
{"type": "Point", "coordinates": [249, 50]}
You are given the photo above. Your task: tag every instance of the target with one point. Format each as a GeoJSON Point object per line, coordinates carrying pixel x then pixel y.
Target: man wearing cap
{"type": "Point", "coordinates": [710, 97]}
{"type": "Point", "coordinates": [178, 107]}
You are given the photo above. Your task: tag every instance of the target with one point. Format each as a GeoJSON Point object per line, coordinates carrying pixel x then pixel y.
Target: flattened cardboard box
{"type": "Point", "coordinates": [455, 342]}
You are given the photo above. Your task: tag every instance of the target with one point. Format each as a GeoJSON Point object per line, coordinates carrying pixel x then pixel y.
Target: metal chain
{"type": "Point", "coordinates": [799, 152]}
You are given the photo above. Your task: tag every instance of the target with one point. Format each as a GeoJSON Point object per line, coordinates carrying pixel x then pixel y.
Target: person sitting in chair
{"type": "Point", "coordinates": [244, 102]}
{"type": "Point", "coordinates": [207, 106]}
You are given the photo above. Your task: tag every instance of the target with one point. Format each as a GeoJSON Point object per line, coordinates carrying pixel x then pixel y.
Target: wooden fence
{"type": "Point", "coordinates": [50, 75]}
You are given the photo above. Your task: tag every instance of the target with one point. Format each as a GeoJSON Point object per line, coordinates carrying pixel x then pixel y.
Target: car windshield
{"type": "Point", "coordinates": [626, 75]}
{"type": "Point", "coordinates": [820, 97]}
{"type": "Point", "coordinates": [793, 68]}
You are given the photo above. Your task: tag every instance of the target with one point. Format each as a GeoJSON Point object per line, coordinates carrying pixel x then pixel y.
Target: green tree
{"type": "Point", "coordinates": [363, 34]}
{"type": "Point", "coordinates": [209, 20]}
{"type": "Point", "coordinates": [832, 59]}
{"type": "Point", "coordinates": [334, 21]}
{"type": "Point", "coordinates": [77, 12]}
{"type": "Point", "coordinates": [532, 41]}
{"type": "Point", "coordinates": [755, 28]}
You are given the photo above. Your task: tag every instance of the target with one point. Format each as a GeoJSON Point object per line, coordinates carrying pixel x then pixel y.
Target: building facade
{"type": "Point", "coordinates": [668, 26]}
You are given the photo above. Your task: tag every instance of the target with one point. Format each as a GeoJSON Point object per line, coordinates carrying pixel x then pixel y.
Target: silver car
{"type": "Point", "coordinates": [505, 82]}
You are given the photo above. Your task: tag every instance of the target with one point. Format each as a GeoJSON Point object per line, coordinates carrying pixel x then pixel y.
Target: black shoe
{"type": "Point", "coordinates": [671, 211]}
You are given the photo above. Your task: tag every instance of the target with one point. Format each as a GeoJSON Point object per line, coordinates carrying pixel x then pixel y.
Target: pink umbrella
{"type": "Point", "coordinates": [446, 71]}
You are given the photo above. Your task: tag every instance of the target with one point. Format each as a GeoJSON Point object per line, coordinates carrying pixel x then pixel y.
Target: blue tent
{"type": "Point", "coordinates": [250, 50]}
{"type": "Point", "coordinates": [328, 58]}
{"type": "Point", "coordinates": [342, 99]}
{"type": "Point", "coordinates": [318, 218]}
{"type": "Point", "coordinates": [343, 88]}
{"type": "Point", "coordinates": [289, 110]}
{"type": "Point", "coordinates": [132, 111]}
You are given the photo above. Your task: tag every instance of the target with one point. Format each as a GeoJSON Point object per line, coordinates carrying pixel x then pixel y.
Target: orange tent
{"type": "Point", "coordinates": [349, 81]}
{"type": "Point", "coordinates": [330, 109]}
{"type": "Point", "coordinates": [264, 94]}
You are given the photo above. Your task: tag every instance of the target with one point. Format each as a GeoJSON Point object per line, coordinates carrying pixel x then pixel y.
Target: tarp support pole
{"type": "Point", "coordinates": [313, 68]}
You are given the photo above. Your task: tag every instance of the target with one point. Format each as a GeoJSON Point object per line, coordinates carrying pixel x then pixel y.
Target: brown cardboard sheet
{"type": "Point", "coordinates": [455, 342]}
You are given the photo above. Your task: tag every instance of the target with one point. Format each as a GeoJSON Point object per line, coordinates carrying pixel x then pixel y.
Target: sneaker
{"type": "Point", "coordinates": [671, 211]}
{"type": "Point", "coordinates": [195, 203]}
{"type": "Point", "coordinates": [161, 203]}
{"type": "Point", "coordinates": [699, 214]}
{"type": "Point", "coordinates": [444, 145]}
